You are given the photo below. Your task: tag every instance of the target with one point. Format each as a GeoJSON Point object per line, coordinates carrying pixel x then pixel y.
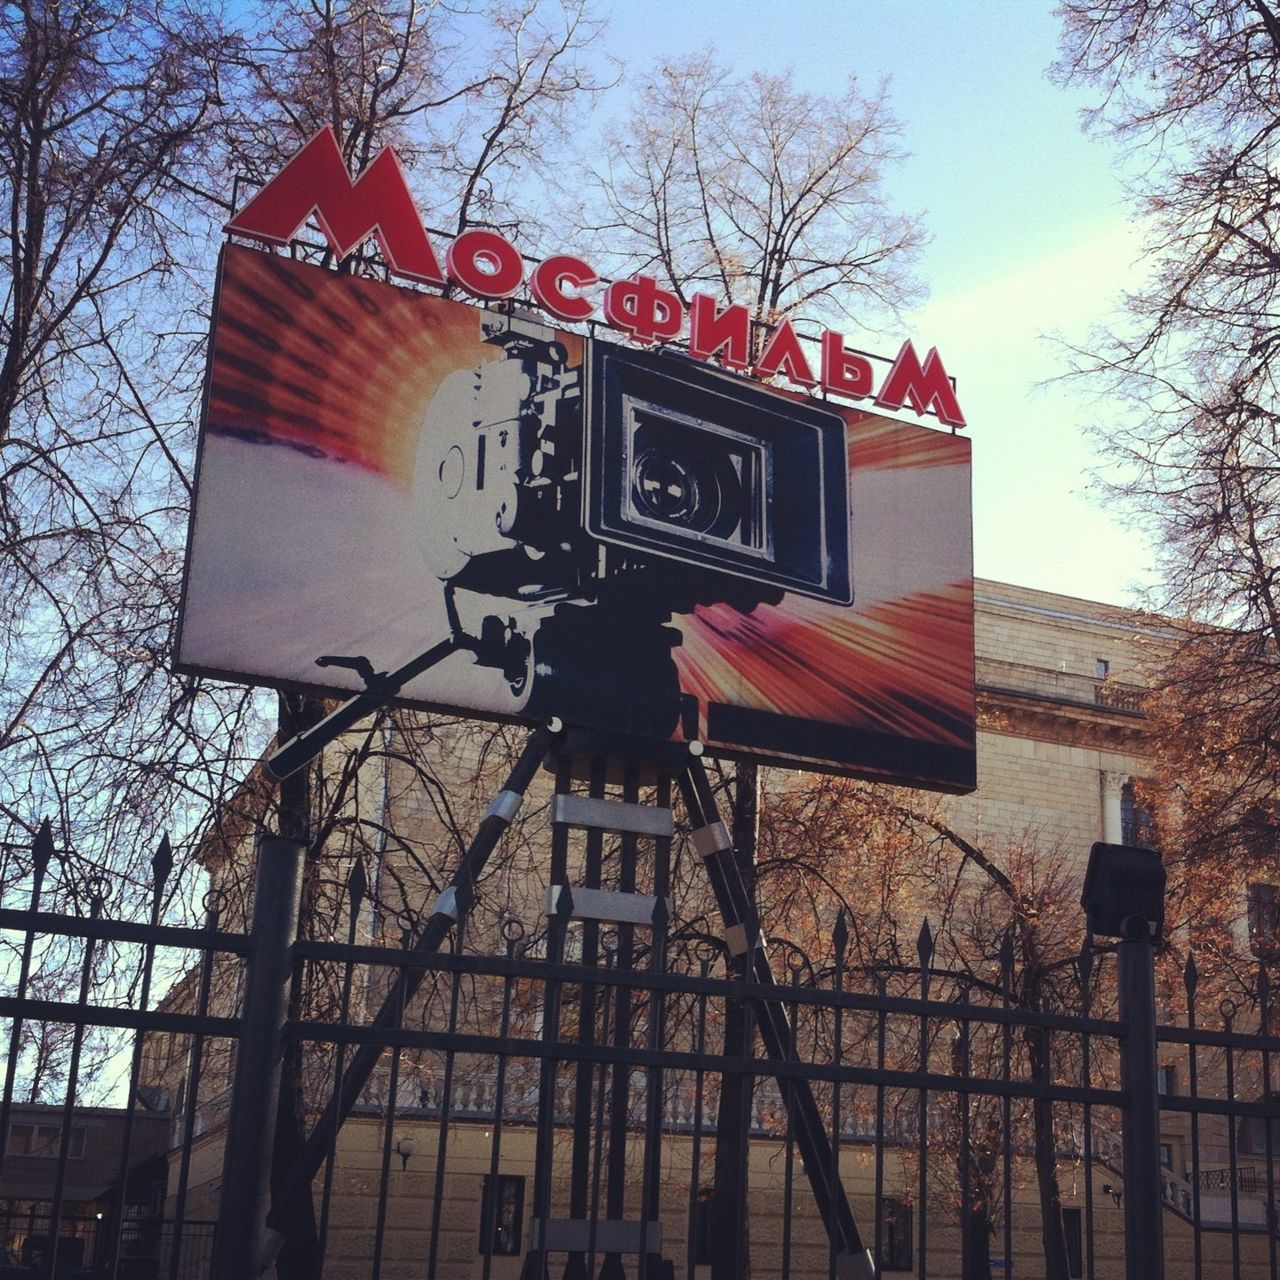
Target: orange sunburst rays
{"type": "Point", "coordinates": [903, 667]}
{"type": "Point", "coordinates": [347, 371]}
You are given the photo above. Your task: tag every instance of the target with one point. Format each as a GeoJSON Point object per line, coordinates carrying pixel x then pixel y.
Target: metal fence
{"type": "Point", "coordinates": [576, 1093]}
{"type": "Point", "coordinates": [149, 1248]}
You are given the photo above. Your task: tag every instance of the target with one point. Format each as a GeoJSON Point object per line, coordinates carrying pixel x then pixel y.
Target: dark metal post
{"type": "Point", "coordinates": [295, 1189]}
{"type": "Point", "coordinates": [731, 1258]}
{"type": "Point", "coordinates": [255, 1096]}
{"type": "Point", "coordinates": [1140, 1122]}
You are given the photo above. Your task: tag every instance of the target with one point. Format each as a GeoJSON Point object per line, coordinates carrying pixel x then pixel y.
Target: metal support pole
{"type": "Point", "coordinates": [255, 1096]}
{"type": "Point", "coordinates": [738, 911]}
{"type": "Point", "coordinates": [1140, 1120]}
{"type": "Point", "coordinates": [455, 901]}
{"type": "Point", "coordinates": [732, 1258]}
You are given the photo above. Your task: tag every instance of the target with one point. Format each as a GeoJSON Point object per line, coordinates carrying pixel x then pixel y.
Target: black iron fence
{"type": "Point", "coordinates": [558, 1094]}
{"type": "Point", "coordinates": [149, 1247]}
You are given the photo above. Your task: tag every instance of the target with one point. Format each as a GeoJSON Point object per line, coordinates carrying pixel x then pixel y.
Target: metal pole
{"type": "Point", "coordinates": [1140, 1120]}
{"type": "Point", "coordinates": [454, 901]}
{"type": "Point", "coordinates": [742, 924]}
{"type": "Point", "coordinates": [255, 1095]}
{"type": "Point", "coordinates": [732, 1258]}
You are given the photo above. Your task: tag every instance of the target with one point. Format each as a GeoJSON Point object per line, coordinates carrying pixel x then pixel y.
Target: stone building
{"type": "Point", "coordinates": [1062, 736]}
{"type": "Point", "coordinates": [90, 1194]}
{"type": "Point", "coordinates": [1063, 747]}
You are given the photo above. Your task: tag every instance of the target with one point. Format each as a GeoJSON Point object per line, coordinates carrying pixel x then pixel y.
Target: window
{"type": "Point", "coordinates": [1073, 1234]}
{"type": "Point", "coordinates": [1103, 668]}
{"type": "Point", "coordinates": [1264, 921]}
{"type": "Point", "coordinates": [501, 1215]}
{"type": "Point", "coordinates": [1167, 1080]}
{"type": "Point", "coordinates": [44, 1140]}
{"type": "Point", "coordinates": [1251, 1132]}
{"type": "Point", "coordinates": [1137, 826]}
{"type": "Point", "coordinates": [895, 1235]}
{"type": "Point", "coordinates": [702, 1234]}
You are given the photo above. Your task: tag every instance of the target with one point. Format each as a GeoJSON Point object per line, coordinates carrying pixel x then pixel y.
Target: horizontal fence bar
{"type": "Point", "coordinates": [637, 1056]}
{"type": "Point", "coordinates": [186, 937]}
{"type": "Point", "coordinates": [1201, 1106]}
{"type": "Point", "coordinates": [96, 1015]}
{"type": "Point", "coordinates": [1250, 1040]}
{"type": "Point", "coordinates": [826, 998]}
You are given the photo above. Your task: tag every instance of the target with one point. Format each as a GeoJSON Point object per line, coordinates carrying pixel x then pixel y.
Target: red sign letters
{"type": "Point", "coordinates": [316, 183]}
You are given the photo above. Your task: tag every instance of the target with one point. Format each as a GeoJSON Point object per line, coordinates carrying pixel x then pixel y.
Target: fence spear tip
{"type": "Point", "coordinates": [42, 845]}
{"type": "Point", "coordinates": [1006, 953]}
{"type": "Point", "coordinates": [162, 862]}
{"type": "Point", "coordinates": [924, 944]}
{"type": "Point", "coordinates": [1084, 963]}
{"type": "Point", "coordinates": [357, 884]}
{"type": "Point", "coordinates": [840, 935]}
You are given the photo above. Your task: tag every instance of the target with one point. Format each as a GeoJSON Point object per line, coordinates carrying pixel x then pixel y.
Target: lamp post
{"type": "Point", "coordinates": [1123, 898]}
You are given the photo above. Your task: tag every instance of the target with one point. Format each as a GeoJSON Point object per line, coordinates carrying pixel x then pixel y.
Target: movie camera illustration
{"type": "Point", "coordinates": [572, 511]}
{"type": "Point", "coordinates": [540, 524]}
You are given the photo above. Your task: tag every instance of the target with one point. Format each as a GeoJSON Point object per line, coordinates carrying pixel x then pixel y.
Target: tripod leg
{"type": "Point", "coordinates": [742, 932]}
{"type": "Point", "coordinates": [454, 902]}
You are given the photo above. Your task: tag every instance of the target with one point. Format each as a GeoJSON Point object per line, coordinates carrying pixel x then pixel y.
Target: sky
{"type": "Point", "coordinates": [1030, 237]}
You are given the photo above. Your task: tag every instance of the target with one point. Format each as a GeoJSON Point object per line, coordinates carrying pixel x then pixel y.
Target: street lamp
{"type": "Point", "coordinates": [1123, 882]}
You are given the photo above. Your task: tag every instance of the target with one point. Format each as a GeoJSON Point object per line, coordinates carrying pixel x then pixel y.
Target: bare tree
{"type": "Point", "coordinates": [1189, 88]}
{"type": "Point", "coordinates": [476, 103]}
{"type": "Point", "coordinates": [102, 107]}
{"type": "Point", "coordinates": [105, 117]}
{"type": "Point", "coordinates": [758, 192]}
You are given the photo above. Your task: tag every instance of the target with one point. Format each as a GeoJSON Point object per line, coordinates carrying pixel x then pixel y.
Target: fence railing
{"type": "Point", "coordinates": [1072, 687]}
{"type": "Point", "coordinates": [1243, 1179]}
{"type": "Point", "coordinates": [965, 1126]}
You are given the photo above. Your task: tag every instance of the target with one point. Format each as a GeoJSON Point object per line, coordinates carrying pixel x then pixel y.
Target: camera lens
{"type": "Point", "coordinates": [671, 490]}
{"type": "Point", "coordinates": [693, 480]}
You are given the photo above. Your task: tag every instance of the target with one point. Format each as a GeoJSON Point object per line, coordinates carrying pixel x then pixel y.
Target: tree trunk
{"type": "Point", "coordinates": [977, 1245]}
{"type": "Point", "coordinates": [1051, 1234]}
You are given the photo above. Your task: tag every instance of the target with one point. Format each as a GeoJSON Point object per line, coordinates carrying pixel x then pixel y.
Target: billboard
{"type": "Point", "coordinates": [631, 540]}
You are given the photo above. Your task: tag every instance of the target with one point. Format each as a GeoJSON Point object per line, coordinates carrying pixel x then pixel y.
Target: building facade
{"type": "Point", "coordinates": [1063, 750]}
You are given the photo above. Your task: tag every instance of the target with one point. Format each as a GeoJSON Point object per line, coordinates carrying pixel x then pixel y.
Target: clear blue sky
{"type": "Point", "coordinates": [1030, 236]}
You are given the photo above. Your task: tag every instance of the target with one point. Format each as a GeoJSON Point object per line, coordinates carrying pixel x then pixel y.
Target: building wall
{"type": "Point", "coordinates": [410, 1186]}
{"type": "Point", "coordinates": [1060, 735]}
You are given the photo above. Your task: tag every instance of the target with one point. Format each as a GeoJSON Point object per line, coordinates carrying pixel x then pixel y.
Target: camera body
{"type": "Point", "coordinates": [572, 511]}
